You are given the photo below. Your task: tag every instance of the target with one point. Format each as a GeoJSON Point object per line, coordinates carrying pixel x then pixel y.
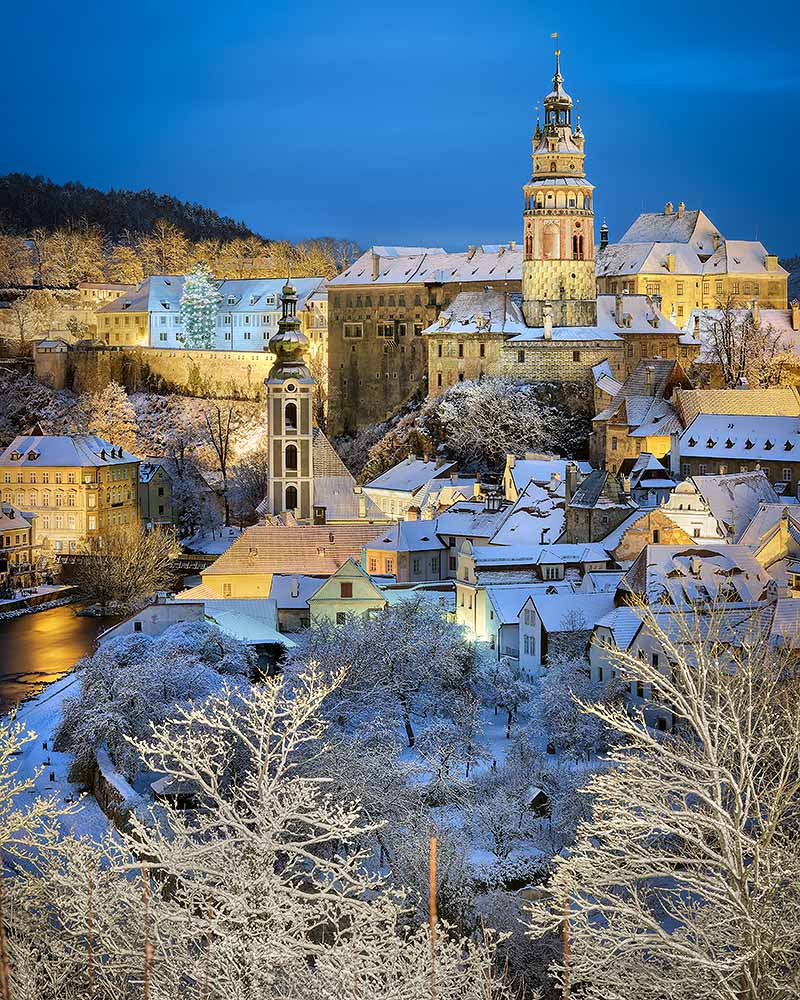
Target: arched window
{"type": "Point", "coordinates": [290, 416]}
{"type": "Point", "coordinates": [291, 497]}
{"type": "Point", "coordinates": [561, 200]}
{"type": "Point", "coordinates": [552, 166]}
{"type": "Point", "coordinates": [291, 457]}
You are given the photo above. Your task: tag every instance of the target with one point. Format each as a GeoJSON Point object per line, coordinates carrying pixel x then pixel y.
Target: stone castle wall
{"type": "Point", "coordinates": [550, 361]}
{"type": "Point", "coordinates": [212, 374]}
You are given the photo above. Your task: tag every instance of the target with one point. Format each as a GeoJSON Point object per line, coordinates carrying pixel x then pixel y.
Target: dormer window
{"type": "Point", "coordinates": [768, 445]}
{"type": "Point", "coordinates": [15, 456]}
{"type": "Point", "coordinates": [231, 300]}
{"type": "Point", "coordinates": [711, 443]}
{"type": "Point", "coordinates": [729, 443]}
{"type": "Point", "coordinates": [692, 442]}
{"type": "Point", "coordinates": [787, 446]}
{"type": "Point", "coordinates": [748, 444]}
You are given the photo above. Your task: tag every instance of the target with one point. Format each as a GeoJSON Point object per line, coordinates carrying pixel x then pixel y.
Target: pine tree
{"type": "Point", "coordinates": [199, 304]}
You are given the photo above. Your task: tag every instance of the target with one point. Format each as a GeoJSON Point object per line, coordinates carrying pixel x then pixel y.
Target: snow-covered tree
{"type": "Point", "coordinates": [199, 302]}
{"type": "Point", "coordinates": [744, 348]}
{"type": "Point", "coordinates": [397, 661]}
{"type": "Point", "coordinates": [110, 415]}
{"type": "Point", "coordinates": [685, 882]}
{"type": "Point", "coordinates": [506, 686]}
{"type": "Point", "coordinates": [137, 680]}
{"type": "Point", "coordinates": [561, 691]}
{"type": "Point", "coordinates": [123, 265]}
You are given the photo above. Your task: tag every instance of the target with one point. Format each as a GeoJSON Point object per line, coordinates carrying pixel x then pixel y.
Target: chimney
{"type": "Point", "coordinates": [512, 245]}
{"type": "Point", "coordinates": [453, 478]}
{"type": "Point", "coordinates": [572, 481]}
{"type": "Point", "coordinates": [716, 239]}
{"type": "Point", "coordinates": [696, 326]}
{"type": "Point", "coordinates": [376, 265]}
{"type": "Point", "coordinates": [361, 497]}
{"type": "Point", "coordinates": [618, 308]}
{"type": "Point", "coordinates": [412, 514]}
{"type": "Point", "coordinates": [477, 486]}
{"type": "Point", "coordinates": [603, 235]}
{"type": "Point", "coordinates": [771, 262]}
{"type": "Point", "coordinates": [674, 457]}
{"type": "Point", "coordinates": [657, 302]}
{"type": "Point", "coordinates": [670, 262]}
{"type": "Point", "coordinates": [295, 587]}
{"type": "Point", "coordinates": [681, 209]}
{"type": "Point", "coordinates": [626, 487]}
{"type": "Point", "coordinates": [795, 315]}
{"type": "Point", "coordinates": [411, 458]}
{"type": "Point", "coordinates": [648, 380]}
{"type": "Point", "coordinates": [471, 252]}
{"type": "Point", "coordinates": [668, 208]}
{"type": "Point", "coordinates": [439, 461]}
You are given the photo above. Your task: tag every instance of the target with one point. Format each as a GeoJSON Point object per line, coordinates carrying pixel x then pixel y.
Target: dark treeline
{"type": "Point", "coordinates": [28, 203]}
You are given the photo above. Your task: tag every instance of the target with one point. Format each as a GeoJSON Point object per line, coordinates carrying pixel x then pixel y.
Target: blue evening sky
{"type": "Point", "coordinates": [408, 122]}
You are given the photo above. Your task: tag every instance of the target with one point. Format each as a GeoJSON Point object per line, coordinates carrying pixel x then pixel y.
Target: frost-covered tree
{"type": "Point", "coordinates": [124, 265]}
{"type": "Point", "coordinates": [136, 680]}
{"type": "Point", "coordinates": [685, 882]}
{"type": "Point", "coordinates": [110, 415]}
{"type": "Point", "coordinates": [560, 694]}
{"type": "Point", "coordinates": [399, 662]}
{"type": "Point", "coordinates": [199, 302]}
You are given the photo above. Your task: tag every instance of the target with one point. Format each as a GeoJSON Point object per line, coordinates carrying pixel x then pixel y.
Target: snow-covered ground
{"type": "Point", "coordinates": [212, 543]}
{"type": "Point", "coordinates": [41, 715]}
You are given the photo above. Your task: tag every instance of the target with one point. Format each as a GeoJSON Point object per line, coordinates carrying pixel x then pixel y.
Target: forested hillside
{"type": "Point", "coordinates": [58, 235]}
{"type": "Point", "coordinates": [28, 203]}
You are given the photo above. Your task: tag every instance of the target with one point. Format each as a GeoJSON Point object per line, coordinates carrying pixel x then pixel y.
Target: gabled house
{"type": "Point", "coordinates": [568, 617]}
{"type": "Point", "coordinates": [646, 526]}
{"type": "Point", "coordinates": [401, 487]}
{"type": "Point", "coordinates": [348, 591]}
{"type": "Point", "coordinates": [640, 417]}
{"type": "Point", "coordinates": [650, 480]}
{"type": "Point", "coordinates": [598, 505]}
{"type": "Point", "coordinates": [547, 471]}
{"type": "Point", "coordinates": [410, 551]}
{"type": "Point", "coordinates": [689, 576]}
{"type": "Point", "coordinates": [718, 507]}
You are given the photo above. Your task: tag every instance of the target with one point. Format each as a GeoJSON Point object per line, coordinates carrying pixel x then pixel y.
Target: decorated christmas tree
{"type": "Point", "coordinates": [199, 304]}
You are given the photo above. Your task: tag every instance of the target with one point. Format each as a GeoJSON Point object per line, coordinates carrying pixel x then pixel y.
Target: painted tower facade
{"type": "Point", "coordinates": [558, 276]}
{"type": "Point", "coordinates": [290, 402]}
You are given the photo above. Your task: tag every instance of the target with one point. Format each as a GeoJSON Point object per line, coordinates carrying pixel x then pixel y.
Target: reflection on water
{"type": "Point", "coordinates": [39, 648]}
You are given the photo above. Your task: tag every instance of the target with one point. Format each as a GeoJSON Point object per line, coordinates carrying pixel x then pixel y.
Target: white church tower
{"type": "Point", "coordinates": [290, 407]}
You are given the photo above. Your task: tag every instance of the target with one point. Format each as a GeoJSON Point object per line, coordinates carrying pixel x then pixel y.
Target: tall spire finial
{"type": "Point", "coordinates": [557, 77]}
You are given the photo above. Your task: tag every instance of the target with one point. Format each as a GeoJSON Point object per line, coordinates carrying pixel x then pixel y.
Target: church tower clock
{"type": "Point", "coordinates": [558, 266]}
{"type": "Point", "coordinates": [290, 403]}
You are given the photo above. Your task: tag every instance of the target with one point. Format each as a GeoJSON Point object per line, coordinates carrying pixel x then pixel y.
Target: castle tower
{"type": "Point", "coordinates": [290, 403]}
{"type": "Point", "coordinates": [558, 266]}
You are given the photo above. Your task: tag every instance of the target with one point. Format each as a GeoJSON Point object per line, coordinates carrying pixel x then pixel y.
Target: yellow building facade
{"type": "Point", "coordinates": [79, 487]}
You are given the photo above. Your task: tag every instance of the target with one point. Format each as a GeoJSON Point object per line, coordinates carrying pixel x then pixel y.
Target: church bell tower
{"type": "Point", "coordinates": [558, 267]}
{"type": "Point", "coordinates": [290, 403]}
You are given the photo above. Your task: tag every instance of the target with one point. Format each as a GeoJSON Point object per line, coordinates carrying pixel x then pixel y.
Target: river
{"type": "Point", "coordinates": [39, 648]}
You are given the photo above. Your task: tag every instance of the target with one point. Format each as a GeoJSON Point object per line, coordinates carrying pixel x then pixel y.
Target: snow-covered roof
{"type": "Point", "coordinates": [766, 520]}
{"type": "Point", "coordinates": [734, 499]}
{"type": "Point", "coordinates": [652, 257]}
{"type": "Point", "coordinates": [599, 581]}
{"type": "Point", "coordinates": [12, 519]}
{"type": "Point", "coordinates": [739, 257]}
{"type": "Point", "coordinates": [604, 378]}
{"type": "Point", "coordinates": [79, 450]}
{"type": "Point", "coordinates": [481, 312]}
{"type": "Point", "coordinates": [542, 470]}
{"type": "Point", "coordinates": [407, 536]}
{"type": "Point", "coordinates": [600, 489]}
{"type": "Point", "coordinates": [537, 555]}
{"type": "Point", "coordinates": [535, 519]}
{"type": "Point", "coordinates": [697, 574]}
{"type": "Point", "coordinates": [471, 519]}
{"type": "Point", "coordinates": [776, 401]}
{"type": "Point", "coordinates": [642, 400]}
{"type": "Point", "coordinates": [293, 591]}
{"type": "Point", "coordinates": [623, 623]}
{"type": "Point", "coordinates": [727, 437]}
{"type": "Point", "coordinates": [508, 600]}
{"type": "Point", "coordinates": [571, 612]}
{"type": "Point", "coordinates": [408, 265]}
{"type": "Point", "coordinates": [162, 293]}
{"type": "Point", "coordinates": [691, 227]}
{"type": "Point", "coordinates": [410, 475]}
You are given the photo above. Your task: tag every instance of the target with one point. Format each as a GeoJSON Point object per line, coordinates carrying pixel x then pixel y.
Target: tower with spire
{"type": "Point", "coordinates": [558, 278]}
{"type": "Point", "coordinates": [290, 403]}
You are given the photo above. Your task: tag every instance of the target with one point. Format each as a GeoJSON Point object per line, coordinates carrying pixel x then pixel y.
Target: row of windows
{"type": "Point", "coordinates": [786, 475]}
{"type": "Point", "coordinates": [460, 351]}
{"type": "Point", "coordinates": [355, 331]}
{"type": "Point", "coordinates": [366, 300]}
{"type": "Point", "coordinates": [115, 473]}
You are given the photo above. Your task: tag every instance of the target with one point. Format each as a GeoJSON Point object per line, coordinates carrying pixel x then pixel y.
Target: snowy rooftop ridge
{"type": "Point", "coordinates": [65, 450]}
